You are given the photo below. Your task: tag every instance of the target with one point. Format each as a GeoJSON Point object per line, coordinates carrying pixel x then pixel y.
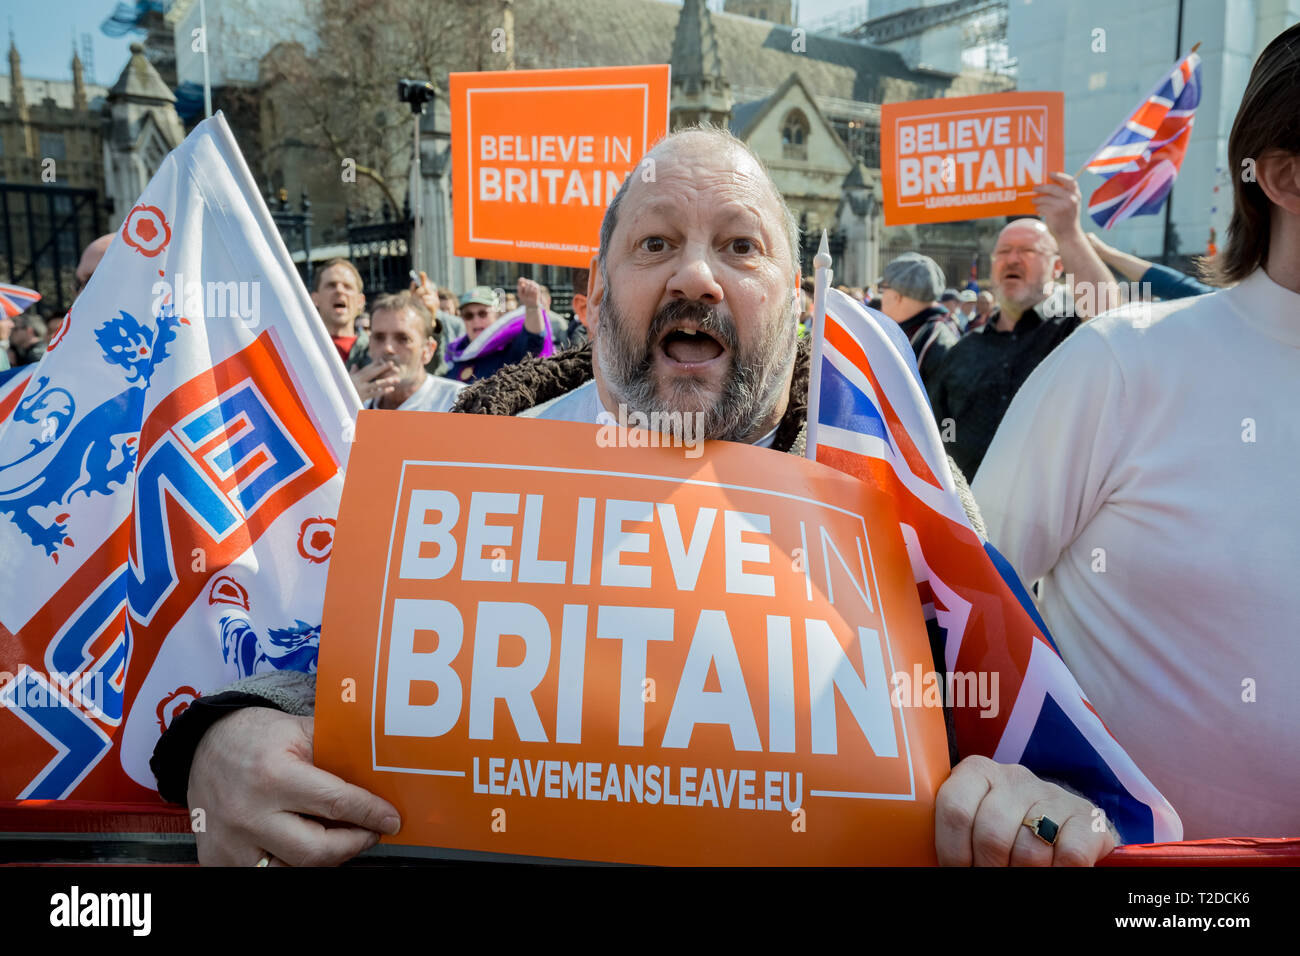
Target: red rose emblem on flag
{"type": "Point", "coordinates": [173, 705]}
{"type": "Point", "coordinates": [316, 539]}
{"type": "Point", "coordinates": [146, 230]}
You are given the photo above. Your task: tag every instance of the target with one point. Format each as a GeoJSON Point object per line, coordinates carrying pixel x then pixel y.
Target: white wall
{"type": "Point", "coordinates": [1054, 43]}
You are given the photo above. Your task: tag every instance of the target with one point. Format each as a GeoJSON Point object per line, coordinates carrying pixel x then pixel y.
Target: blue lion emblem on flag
{"type": "Point", "coordinates": [285, 649]}
{"type": "Point", "coordinates": [92, 455]}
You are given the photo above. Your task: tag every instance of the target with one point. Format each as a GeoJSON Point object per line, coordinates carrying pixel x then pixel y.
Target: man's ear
{"type": "Point", "coordinates": [595, 293]}
{"type": "Point", "coordinates": [1278, 174]}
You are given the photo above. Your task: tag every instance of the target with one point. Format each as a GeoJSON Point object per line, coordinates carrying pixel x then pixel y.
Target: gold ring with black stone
{"type": "Point", "coordinates": [1045, 828]}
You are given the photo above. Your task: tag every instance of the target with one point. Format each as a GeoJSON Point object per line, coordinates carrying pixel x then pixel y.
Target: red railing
{"type": "Point", "coordinates": [63, 818]}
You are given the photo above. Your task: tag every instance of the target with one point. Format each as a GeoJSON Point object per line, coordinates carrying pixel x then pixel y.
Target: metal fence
{"type": "Point", "coordinates": [295, 229]}
{"type": "Point", "coordinates": [379, 245]}
{"type": "Point", "coordinates": [45, 229]}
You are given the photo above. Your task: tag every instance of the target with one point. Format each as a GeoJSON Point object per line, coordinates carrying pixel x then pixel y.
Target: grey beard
{"type": "Point", "coordinates": [750, 391]}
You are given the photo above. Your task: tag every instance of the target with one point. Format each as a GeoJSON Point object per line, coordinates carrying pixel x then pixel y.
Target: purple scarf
{"type": "Point", "coordinates": [497, 336]}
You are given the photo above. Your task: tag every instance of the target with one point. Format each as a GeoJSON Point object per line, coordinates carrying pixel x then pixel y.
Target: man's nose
{"type": "Point", "coordinates": [694, 278]}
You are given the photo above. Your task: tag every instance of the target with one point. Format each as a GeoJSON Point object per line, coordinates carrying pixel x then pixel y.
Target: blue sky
{"type": "Point", "coordinates": [44, 38]}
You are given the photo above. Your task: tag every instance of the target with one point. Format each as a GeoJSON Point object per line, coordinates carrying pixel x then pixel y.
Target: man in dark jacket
{"type": "Point", "coordinates": [981, 374]}
{"type": "Point", "coordinates": [907, 292]}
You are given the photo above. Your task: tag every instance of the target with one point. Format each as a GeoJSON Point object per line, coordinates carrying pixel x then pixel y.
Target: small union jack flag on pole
{"type": "Point", "coordinates": [1141, 159]}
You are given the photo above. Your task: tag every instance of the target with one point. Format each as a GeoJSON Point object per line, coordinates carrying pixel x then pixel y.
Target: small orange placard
{"type": "Point", "coordinates": [538, 154]}
{"type": "Point", "coordinates": [554, 648]}
{"type": "Point", "coordinates": [970, 157]}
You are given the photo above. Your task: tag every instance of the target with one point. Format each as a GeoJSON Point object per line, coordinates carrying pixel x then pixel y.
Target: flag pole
{"type": "Point", "coordinates": [821, 285]}
{"type": "Point", "coordinates": [207, 80]}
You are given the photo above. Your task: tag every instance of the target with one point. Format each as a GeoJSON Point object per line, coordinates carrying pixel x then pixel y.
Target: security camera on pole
{"type": "Point", "coordinates": [416, 93]}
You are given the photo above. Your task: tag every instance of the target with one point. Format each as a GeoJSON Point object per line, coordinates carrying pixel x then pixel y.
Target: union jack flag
{"type": "Point", "coordinates": [1141, 159]}
{"type": "Point", "coordinates": [868, 416]}
{"type": "Point", "coordinates": [15, 299]}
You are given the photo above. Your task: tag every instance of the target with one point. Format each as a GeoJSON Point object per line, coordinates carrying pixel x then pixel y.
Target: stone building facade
{"type": "Point", "coordinates": [74, 157]}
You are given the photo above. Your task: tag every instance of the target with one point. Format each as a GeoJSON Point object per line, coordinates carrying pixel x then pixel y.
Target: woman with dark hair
{"type": "Point", "coordinates": [1145, 475]}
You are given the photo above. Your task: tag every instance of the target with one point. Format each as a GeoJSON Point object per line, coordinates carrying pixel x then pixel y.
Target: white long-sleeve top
{"type": "Point", "coordinates": [1148, 472]}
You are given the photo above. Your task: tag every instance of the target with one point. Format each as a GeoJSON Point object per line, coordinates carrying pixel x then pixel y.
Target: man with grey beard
{"type": "Point", "coordinates": [705, 317]}
{"type": "Point", "coordinates": [693, 302]}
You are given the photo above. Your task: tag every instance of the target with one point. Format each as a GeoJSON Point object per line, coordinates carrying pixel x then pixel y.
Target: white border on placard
{"type": "Point", "coordinates": [950, 113]}
{"type": "Point", "coordinates": [392, 537]}
{"type": "Point", "coordinates": [469, 131]}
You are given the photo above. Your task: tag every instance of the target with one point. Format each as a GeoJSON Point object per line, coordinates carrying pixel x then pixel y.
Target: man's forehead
{"type": "Point", "coordinates": [690, 168]}
{"type": "Point", "coordinates": [392, 318]}
{"type": "Point", "coordinates": [338, 274]}
{"type": "Point", "coordinates": [1027, 232]}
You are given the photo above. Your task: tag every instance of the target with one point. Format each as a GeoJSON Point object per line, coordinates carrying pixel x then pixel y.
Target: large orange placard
{"type": "Point", "coordinates": [536, 644]}
{"type": "Point", "coordinates": [969, 157]}
{"type": "Point", "coordinates": [538, 154]}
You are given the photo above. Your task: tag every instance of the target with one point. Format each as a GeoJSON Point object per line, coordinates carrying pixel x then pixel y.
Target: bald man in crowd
{"type": "Point", "coordinates": [90, 262]}
{"type": "Point", "coordinates": [981, 373]}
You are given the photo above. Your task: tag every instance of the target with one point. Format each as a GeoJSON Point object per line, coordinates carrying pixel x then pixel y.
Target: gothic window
{"type": "Point", "coordinates": [794, 135]}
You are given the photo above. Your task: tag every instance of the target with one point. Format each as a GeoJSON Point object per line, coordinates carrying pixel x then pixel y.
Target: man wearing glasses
{"type": "Point", "coordinates": [486, 346]}
{"type": "Point", "coordinates": [981, 373]}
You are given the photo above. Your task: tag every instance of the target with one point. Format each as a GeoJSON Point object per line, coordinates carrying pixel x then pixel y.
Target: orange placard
{"type": "Point", "coordinates": [538, 154]}
{"type": "Point", "coordinates": [969, 157]}
{"type": "Point", "coordinates": [537, 644]}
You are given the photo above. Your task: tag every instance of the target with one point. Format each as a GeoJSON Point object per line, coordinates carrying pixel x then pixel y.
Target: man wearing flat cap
{"type": "Point", "coordinates": [492, 341]}
{"type": "Point", "coordinates": [908, 290]}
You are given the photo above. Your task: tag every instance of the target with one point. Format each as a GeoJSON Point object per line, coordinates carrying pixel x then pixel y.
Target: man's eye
{"type": "Point", "coordinates": [742, 247]}
{"type": "Point", "coordinates": [654, 244]}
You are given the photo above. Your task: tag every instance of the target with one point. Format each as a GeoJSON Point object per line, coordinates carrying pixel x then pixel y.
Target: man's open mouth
{"type": "Point", "coordinates": [1008, 274]}
{"type": "Point", "coordinates": [688, 345]}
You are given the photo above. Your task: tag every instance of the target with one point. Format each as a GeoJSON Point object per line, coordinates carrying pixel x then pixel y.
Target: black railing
{"type": "Point", "coordinates": [295, 229]}
{"type": "Point", "coordinates": [45, 229]}
{"type": "Point", "coordinates": [379, 245]}
{"type": "Point", "coordinates": [811, 239]}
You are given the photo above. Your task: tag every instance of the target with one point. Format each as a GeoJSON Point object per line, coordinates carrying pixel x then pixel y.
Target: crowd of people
{"type": "Point", "coordinates": [415, 350]}
{"type": "Point", "coordinates": [1131, 461]}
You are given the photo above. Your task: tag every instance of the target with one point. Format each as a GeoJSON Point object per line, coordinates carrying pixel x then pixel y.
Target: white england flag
{"type": "Point", "coordinates": [169, 479]}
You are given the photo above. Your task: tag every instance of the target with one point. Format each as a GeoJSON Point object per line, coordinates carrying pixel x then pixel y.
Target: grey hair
{"type": "Point", "coordinates": [724, 139]}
